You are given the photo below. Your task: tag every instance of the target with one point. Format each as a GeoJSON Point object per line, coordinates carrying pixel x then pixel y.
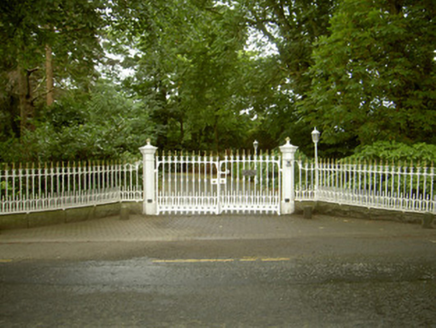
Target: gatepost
{"type": "Point", "coordinates": [148, 155]}
{"type": "Point", "coordinates": [288, 195]}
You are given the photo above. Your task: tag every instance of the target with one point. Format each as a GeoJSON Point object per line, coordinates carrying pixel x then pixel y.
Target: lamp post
{"type": "Point", "coordinates": [255, 145]}
{"type": "Point", "coordinates": [315, 139]}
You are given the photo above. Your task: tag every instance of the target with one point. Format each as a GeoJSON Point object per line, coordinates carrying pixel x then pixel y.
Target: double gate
{"type": "Point", "coordinates": [236, 183]}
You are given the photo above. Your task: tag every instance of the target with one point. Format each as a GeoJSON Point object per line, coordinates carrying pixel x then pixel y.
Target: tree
{"type": "Point", "coordinates": [187, 68]}
{"type": "Point", "coordinates": [292, 27]}
{"type": "Point", "coordinates": [104, 124]}
{"type": "Point", "coordinates": [374, 76]}
{"type": "Point", "coordinates": [45, 43]}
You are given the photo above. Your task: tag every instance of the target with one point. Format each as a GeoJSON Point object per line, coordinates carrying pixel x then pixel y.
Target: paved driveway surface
{"type": "Point", "coordinates": [219, 271]}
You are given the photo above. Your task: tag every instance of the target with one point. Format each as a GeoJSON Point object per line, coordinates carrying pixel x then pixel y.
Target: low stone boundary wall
{"type": "Point", "coordinates": [38, 219]}
{"type": "Point", "coordinates": [428, 220]}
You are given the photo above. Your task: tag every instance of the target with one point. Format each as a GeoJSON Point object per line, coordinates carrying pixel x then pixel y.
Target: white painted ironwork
{"type": "Point", "coordinates": [387, 186]}
{"type": "Point", "coordinates": [29, 187]}
{"type": "Point", "coordinates": [237, 183]}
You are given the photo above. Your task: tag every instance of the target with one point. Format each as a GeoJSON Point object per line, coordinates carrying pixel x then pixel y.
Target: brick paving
{"type": "Point", "coordinates": [204, 227]}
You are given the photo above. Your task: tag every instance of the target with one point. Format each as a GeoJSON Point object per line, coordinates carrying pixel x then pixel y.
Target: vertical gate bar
{"type": "Point", "coordinates": [392, 191]}
{"type": "Point", "coordinates": [180, 178]}
{"type": "Point", "coordinates": [33, 174]}
{"type": "Point", "coordinates": [179, 194]}
{"type": "Point", "coordinates": [236, 191]}
{"type": "Point", "coordinates": [172, 170]}
{"type": "Point", "coordinates": [230, 188]}
{"type": "Point", "coordinates": [380, 173]}
{"type": "Point", "coordinates": [89, 175]}
{"type": "Point", "coordinates": [26, 186]}
{"type": "Point", "coordinates": [164, 169]}
{"type": "Point", "coordinates": [20, 182]}
{"type": "Point", "coordinates": [192, 163]}
{"type": "Point", "coordinates": [404, 175]}
{"type": "Point", "coordinates": [204, 160]}
{"type": "Point", "coordinates": [6, 168]}
{"type": "Point", "coordinates": [399, 181]}
{"type": "Point", "coordinates": [185, 177]}
{"type": "Point", "coordinates": [424, 187]}
{"type": "Point", "coordinates": [79, 176]}
{"type": "Point", "coordinates": [370, 165]}
{"type": "Point", "coordinates": [193, 168]}
{"type": "Point", "coordinates": [432, 174]}
{"type": "Point", "coordinates": [273, 193]}
{"type": "Point", "coordinates": [226, 168]}
{"type": "Point", "coordinates": [13, 181]}
{"type": "Point", "coordinates": [244, 192]}
{"type": "Point", "coordinates": [411, 179]}
{"type": "Point", "coordinates": [167, 192]}
{"type": "Point", "coordinates": [67, 173]}
{"type": "Point", "coordinates": [418, 176]}
{"type": "Point", "coordinates": [392, 188]}
{"type": "Point", "coordinates": [267, 182]}
{"type": "Point", "coordinates": [259, 190]}
{"type": "Point", "coordinates": [249, 195]}
{"type": "Point", "coordinates": [279, 183]}
{"type": "Point", "coordinates": [45, 175]}
{"type": "Point", "coordinates": [386, 179]}
{"type": "Point", "coordinates": [187, 191]}
{"type": "Point", "coordinates": [198, 168]}
{"type": "Point", "coordinates": [99, 176]}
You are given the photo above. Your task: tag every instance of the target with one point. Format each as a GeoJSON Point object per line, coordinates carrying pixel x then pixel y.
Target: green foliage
{"type": "Point", "coordinates": [396, 152]}
{"type": "Point", "coordinates": [190, 66]}
{"type": "Point", "coordinates": [361, 71]}
{"type": "Point", "coordinates": [374, 76]}
{"type": "Point", "coordinates": [107, 125]}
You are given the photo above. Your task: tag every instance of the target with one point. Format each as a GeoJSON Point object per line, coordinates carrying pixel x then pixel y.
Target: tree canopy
{"type": "Point", "coordinates": [374, 77]}
{"type": "Point", "coordinates": [82, 79]}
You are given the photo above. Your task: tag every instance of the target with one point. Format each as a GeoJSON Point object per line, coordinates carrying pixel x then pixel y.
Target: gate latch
{"type": "Point", "coordinates": [221, 181]}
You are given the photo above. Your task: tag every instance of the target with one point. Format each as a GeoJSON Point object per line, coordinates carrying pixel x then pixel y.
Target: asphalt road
{"type": "Point", "coordinates": [359, 279]}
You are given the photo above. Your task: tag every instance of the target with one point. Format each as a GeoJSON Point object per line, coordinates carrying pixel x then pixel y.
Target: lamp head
{"type": "Point", "coordinates": [315, 135]}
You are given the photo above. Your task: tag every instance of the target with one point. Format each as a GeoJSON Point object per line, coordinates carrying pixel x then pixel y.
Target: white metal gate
{"type": "Point", "coordinates": [236, 183]}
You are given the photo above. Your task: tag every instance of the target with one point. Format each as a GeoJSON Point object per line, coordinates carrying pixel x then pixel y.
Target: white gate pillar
{"type": "Point", "coordinates": [149, 184]}
{"type": "Point", "coordinates": [288, 195]}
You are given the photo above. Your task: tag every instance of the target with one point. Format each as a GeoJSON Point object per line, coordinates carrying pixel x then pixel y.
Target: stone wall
{"type": "Point", "coordinates": [38, 219]}
{"type": "Point", "coordinates": [428, 220]}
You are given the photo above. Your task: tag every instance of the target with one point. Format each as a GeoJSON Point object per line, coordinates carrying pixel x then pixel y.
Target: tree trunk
{"type": "Point", "coordinates": [49, 75]}
{"type": "Point", "coordinates": [27, 110]}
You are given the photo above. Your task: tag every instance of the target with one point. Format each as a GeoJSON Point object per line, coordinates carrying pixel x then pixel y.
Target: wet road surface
{"type": "Point", "coordinates": [344, 280]}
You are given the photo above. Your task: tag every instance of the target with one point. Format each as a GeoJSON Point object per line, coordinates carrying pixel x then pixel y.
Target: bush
{"type": "Point", "coordinates": [396, 152]}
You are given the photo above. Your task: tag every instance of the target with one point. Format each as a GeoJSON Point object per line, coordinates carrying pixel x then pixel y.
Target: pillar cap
{"type": "Point", "coordinates": [148, 148]}
{"type": "Point", "coordinates": [288, 147]}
